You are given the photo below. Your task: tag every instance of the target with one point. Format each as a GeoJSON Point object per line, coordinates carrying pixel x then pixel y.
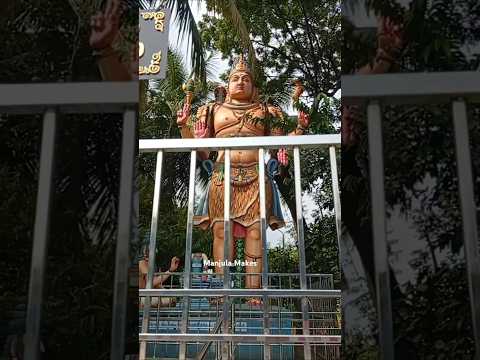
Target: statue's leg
{"type": "Point", "coordinates": [218, 242]}
{"type": "Point", "coordinates": [253, 252]}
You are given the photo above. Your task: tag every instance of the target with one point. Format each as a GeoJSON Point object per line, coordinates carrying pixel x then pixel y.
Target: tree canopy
{"type": "Point", "coordinates": [47, 41]}
{"type": "Point", "coordinates": [421, 182]}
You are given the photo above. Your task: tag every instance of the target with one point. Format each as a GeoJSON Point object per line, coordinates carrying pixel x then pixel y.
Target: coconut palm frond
{"type": "Point", "coordinates": [145, 4]}
{"type": "Point", "coordinates": [188, 27]}
{"type": "Point", "coordinates": [148, 4]}
{"type": "Point", "coordinates": [231, 12]}
{"type": "Point", "coordinates": [176, 77]}
{"type": "Point", "coordinates": [212, 65]}
{"type": "Point", "coordinates": [280, 97]}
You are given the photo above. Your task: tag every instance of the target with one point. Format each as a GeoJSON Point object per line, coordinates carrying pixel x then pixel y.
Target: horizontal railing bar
{"type": "Point", "coordinates": [244, 274]}
{"type": "Point", "coordinates": [238, 312]}
{"type": "Point", "coordinates": [79, 97]}
{"type": "Point", "coordinates": [255, 142]}
{"type": "Point", "coordinates": [241, 292]}
{"type": "Point", "coordinates": [312, 339]}
{"type": "Point", "coordinates": [411, 88]}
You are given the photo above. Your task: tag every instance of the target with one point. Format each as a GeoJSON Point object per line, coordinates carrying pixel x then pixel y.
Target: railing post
{"type": "Point", "coordinates": [301, 249]}
{"type": "Point", "coordinates": [227, 239]}
{"type": "Point", "coordinates": [40, 235]}
{"type": "Point", "coordinates": [263, 231]}
{"type": "Point", "coordinates": [377, 190]}
{"type": "Point", "coordinates": [336, 196]}
{"type": "Point", "coordinates": [188, 252]}
{"type": "Point", "coordinates": [469, 213]}
{"type": "Point", "coordinates": [152, 248]}
{"type": "Point", "coordinates": [122, 256]}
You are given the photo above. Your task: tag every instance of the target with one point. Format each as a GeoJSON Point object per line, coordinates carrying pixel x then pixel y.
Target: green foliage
{"type": "Point", "coordinates": [358, 347]}
{"type": "Point", "coordinates": [283, 260]}
{"type": "Point", "coordinates": [18, 181]}
{"type": "Point", "coordinates": [420, 176]}
{"type": "Point", "coordinates": [47, 41]}
{"type": "Point", "coordinates": [432, 317]}
{"type": "Point", "coordinates": [321, 242]}
{"type": "Point", "coordinates": [292, 39]}
{"type": "Point", "coordinates": [437, 34]}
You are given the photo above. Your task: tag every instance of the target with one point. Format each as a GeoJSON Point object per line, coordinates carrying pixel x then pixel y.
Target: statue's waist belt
{"type": "Point", "coordinates": [239, 175]}
{"type": "Point", "coordinates": [236, 134]}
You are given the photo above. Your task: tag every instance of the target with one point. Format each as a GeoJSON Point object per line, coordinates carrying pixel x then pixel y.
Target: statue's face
{"type": "Point", "coordinates": [240, 86]}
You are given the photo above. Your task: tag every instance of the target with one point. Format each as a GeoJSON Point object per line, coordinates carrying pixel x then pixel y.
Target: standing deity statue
{"type": "Point", "coordinates": [237, 112]}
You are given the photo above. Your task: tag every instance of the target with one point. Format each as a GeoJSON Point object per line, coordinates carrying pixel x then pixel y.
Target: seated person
{"type": "Point", "coordinates": [158, 280]}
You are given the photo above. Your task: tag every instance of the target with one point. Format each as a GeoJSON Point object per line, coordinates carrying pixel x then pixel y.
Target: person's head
{"type": "Point", "coordinates": [220, 94]}
{"type": "Point", "coordinates": [145, 252]}
{"type": "Point", "coordinates": [240, 82]}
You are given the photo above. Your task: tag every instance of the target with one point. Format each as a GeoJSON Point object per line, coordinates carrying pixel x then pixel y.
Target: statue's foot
{"type": "Point", "coordinates": [254, 302]}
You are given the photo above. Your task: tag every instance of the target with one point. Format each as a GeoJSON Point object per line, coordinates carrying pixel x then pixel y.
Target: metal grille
{"type": "Point", "coordinates": [459, 89]}
{"type": "Point", "coordinates": [299, 311]}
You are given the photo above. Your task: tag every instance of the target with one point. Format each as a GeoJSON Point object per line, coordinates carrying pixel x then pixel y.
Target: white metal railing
{"type": "Point", "coordinates": [261, 144]}
{"type": "Point", "coordinates": [50, 100]}
{"type": "Point", "coordinates": [459, 89]}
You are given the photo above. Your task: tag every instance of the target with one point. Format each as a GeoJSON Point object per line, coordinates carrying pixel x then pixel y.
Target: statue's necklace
{"type": "Point", "coordinates": [238, 113]}
{"type": "Point", "coordinates": [239, 110]}
{"type": "Point", "coordinates": [239, 107]}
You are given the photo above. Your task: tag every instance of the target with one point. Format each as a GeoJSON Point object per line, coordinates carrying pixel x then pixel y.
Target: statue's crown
{"type": "Point", "coordinates": [240, 65]}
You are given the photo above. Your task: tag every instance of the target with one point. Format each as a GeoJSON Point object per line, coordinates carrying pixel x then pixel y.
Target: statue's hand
{"type": "Point", "coordinates": [350, 115]}
{"type": "Point", "coordinates": [183, 115]}
{"type": "Point", "coordinates": [303, 120]}
{"type": "Point", "coordinates": [105, 26]}
{"type": "Point", "coordinates": [390, 36]}
{"type": "Point", "coordinates": [201, 129]}
{"type": "Point", "coordinates": [282, 156]}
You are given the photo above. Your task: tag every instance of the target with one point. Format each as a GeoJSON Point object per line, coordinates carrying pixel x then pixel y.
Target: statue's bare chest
{"type": "Point", "coordinates": [228, 122]}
